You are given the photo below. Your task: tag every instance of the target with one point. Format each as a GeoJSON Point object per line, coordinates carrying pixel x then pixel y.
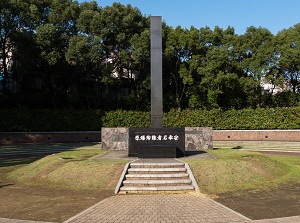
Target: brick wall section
{"type": "Point", "coordinates": [256, 135]}
{"type": "Point", "coordinates": [49, 137]}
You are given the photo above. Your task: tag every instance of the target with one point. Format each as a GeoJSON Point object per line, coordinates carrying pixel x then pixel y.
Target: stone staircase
{"type": "Point", "coordinates": [142, 177]}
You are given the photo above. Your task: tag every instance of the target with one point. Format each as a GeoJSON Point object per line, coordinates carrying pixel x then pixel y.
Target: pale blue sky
{"type": "Point", "coordinates": [275, 15]}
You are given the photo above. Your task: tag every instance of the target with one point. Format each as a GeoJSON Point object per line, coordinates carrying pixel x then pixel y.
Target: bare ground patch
{"type": "Point", "coordinates": [45, 204]}
{"type": "Point", "coordinates": [283, 201]}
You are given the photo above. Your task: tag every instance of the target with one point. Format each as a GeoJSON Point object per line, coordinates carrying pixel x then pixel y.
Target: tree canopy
{"type": "Point", "coordinates": [62, 54]}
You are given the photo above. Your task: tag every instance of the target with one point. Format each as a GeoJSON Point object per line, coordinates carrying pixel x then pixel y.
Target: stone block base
{"type": "Point", "coordinates": [196, 138]}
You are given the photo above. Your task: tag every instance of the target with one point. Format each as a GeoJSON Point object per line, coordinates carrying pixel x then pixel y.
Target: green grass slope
{"type": "Point", "coordinates": [240, 170]}
{"type": "Point", "coordinates": [73, 169]}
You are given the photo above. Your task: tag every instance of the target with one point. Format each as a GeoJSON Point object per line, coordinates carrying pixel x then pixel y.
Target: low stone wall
{"type": "Point", "coordinates": [49, 137]}
{"type": "Point", "coordinates": [194, 136]}
{"type": "Point", "coordinates": [256, 135]}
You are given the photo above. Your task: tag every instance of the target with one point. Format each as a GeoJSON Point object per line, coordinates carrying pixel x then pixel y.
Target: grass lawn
{"type": "Point", "coordinates": [74, 169]}
{"type": "Point", "coordinates": [234, 169]}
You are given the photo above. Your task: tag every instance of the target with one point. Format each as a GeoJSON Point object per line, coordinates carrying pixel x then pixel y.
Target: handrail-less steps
{"type": "Point", "coordinates": [156, 177]}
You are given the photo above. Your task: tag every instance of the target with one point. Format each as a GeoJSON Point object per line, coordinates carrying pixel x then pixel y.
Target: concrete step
{"type": "Point", "coordinates": [156, 188]}
{"type": "Point", "coordinates": [156, 165]}
{"type": "Point", "coordinates": [155, 176]}
{"type": "Point", "coordinates": [141, 177]}
{"type": "Point", "coordinates": [157, 170]}
{"type": "Point", "coordinates": [179, 182]}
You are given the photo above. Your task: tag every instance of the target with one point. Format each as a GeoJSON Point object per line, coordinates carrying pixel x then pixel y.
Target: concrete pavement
{"type": "Point", "coordinates": [159, 208]}
{"type": "Point", "coordinates": [173, 208]}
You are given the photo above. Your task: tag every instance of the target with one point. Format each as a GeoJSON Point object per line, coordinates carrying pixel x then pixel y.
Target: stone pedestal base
{"type": "Point", "coordinates": [196, 138]}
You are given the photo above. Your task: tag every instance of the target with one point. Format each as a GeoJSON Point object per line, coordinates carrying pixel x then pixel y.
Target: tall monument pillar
{"type": "Point", "coordinates": [156, 72]}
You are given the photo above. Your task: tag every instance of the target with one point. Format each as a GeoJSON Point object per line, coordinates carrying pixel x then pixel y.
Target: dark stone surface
{"type": "Point", "coordinates": [156, 142]}
{"type": "Point", "coordinates": [156, 71]}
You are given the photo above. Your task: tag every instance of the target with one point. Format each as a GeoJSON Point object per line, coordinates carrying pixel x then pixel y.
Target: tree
{"type": "Point", "coordinates": [119, 27]}
{"type": "Point", "coordinates": [9, 24]}
{"type": "Point", "coordinates": [288, 46]}
{"type": "Point", "coordinates": [18, 20]}
{"type": "Point", "coordinates": [257, 58]}
{"type": "Point", "coordinates": [177, 56]}
{"type": "Point", "coordinates": [107, 43]}
{"type": "Point", "coordinates": [140, 54]}
{"type": "Point", "coordinates": [218, 68]}
{"type": "Point", "coordinates": [52, 39]}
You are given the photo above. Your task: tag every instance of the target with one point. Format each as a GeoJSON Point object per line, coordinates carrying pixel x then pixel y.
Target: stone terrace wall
{"type": "Point", "coordinates": [256, 135]}
{"type": "Point", "coordinates": [95, 136]}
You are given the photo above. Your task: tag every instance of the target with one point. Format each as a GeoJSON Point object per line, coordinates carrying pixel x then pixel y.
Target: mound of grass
{"type": "Point", "coordinates": [73, 169]}
{"type": "Point", "coordinates": [233, 170]}
{"type": "Point", "coordinates": [241, 170]}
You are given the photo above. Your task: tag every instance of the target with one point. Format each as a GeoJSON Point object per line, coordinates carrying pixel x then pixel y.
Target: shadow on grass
{"type": "Point", "coordinates": [15, 162]}
{"type": "Point", "coordinates": [20, 154]}
{"type": "Point", "coordinates": [193, 153]}
{"type": "Point", "coordinates": [236, 147]}
{"type": "Point", "coordinates": [5, 185]}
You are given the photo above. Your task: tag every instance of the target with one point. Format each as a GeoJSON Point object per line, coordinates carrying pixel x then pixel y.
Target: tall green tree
{"type": "Point", "coordinates": [219, 69]}
{"type": "Point", "coordinates": [178, 75]}
{"type": "Point", "coordinates": [86, 55]}
{"type": "Point", "coordinates": [120, 24]}
{"type": "Point", "coordinates": [10, 24]}
{"type": "Point", "coordinates": [18, 21]}
{"type": "Point", "coordinates": [52, 38]}
{"type": "Point", "coordinates": [257, 58]}
{"type": "Point", "coordinates": [140, 54]}
{"type": "Point", "coordinates": [288, 46]}
{"type": "Point", "coordinates": [110, 46]}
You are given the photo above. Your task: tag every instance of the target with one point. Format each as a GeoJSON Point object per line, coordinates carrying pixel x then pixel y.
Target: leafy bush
{"type": "Point", "coordinates": [93, 120]}
{"type": "Point", "coordinates": [121, 118]}
{"type": "Point", "coordinates": [49, 120]}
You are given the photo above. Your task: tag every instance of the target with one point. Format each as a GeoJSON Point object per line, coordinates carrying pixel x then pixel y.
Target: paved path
{"type": "Point", "coordinates": [173, 208]}
{"type": "Point", "coordinates": [158, 208]}
{"type": "Point", "coordinates": [7, 220]}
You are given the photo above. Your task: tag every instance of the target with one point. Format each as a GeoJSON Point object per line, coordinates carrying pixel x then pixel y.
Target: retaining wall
{"type": "Point", "coordinates": [256, 135]}
{"type": "Point", "coordinates": [95, 136]}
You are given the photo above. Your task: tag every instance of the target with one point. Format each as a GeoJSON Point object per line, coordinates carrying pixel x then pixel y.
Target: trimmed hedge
{"type": "Point", "coordinates": [93, 120]}
{"type": "Point", "coordinates": [122, 118]}
{"type": "Point", "coordinates": [49, 120]}
{"type": "Point", "coordinates": [246, 119]}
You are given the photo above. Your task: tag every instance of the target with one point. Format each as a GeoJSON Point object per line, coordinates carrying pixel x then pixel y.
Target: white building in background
{"type": "Point", "coordinates": [126, 73]}
{"type": "Point", "coordinates": [275, 89]}
{"type": "Point", "coordinates": [272, 88]}
{"type": "Point", "coordinates": [9, 63]}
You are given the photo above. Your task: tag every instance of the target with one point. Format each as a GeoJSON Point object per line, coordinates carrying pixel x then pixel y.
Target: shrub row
{"type": "Point", "coordinates": [49, 120]}
{"type": "Point", "coordinates": [246, 119]}
{"type": "Point", "coordinates": [93, 120]}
